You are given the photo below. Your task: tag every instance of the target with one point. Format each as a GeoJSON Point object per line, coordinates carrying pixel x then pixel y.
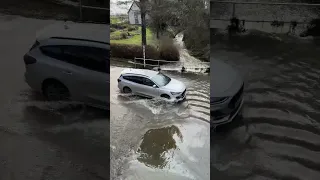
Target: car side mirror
{"type": "Point", "coordinates": [154, 86]}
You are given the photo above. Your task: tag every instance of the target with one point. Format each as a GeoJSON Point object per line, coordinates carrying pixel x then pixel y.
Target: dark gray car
{"type": "Point", "coordinates": [226, 92]}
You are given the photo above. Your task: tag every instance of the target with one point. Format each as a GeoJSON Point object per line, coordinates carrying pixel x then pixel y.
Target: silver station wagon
{"type": "Point", "coordinates": [151, 84]}
{"type": "Point", "coordinates": [71, 62]}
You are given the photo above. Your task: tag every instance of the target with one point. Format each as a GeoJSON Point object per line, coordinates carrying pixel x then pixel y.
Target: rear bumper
{"type": "Point", "coordinates": [230, 117]}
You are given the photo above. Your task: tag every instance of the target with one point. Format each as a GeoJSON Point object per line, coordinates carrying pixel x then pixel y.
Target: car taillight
{"type": "Point", "coordinates": [119, 80]}
{"type": "Point", "coordinates": [29, 60]}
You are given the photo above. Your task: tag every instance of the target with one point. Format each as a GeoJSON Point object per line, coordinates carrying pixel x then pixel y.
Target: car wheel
{"type": "Point", "coordinates": [127, 90]}
{"type": "Point", "coordinates": [165, 96]}
{"type": "Point", "coordinates": [55, 91]}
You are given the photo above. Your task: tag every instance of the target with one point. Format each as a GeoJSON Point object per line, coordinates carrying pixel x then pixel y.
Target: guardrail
{"type": "Point", "coordinates": [159, 63]}
{"type": "Point", "coordinates": [81, 6]}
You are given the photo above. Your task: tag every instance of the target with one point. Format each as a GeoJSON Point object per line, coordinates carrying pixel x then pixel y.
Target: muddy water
{"type": "Point", "coordinates": [190, 63]}
{"type": "Point", "coordinates": [278, 136]}
{"type": "Point", "coordinates": [155, 139]}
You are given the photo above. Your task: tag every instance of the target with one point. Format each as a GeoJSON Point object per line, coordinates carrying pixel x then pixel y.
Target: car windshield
{"type": "Point", "coordinates": [161, 79]}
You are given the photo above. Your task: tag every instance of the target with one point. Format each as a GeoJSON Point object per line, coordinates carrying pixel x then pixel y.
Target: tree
{"type": "Point", "coordinates": [160, 14]}
{"type": "Point", "coordinates": [190, 16]}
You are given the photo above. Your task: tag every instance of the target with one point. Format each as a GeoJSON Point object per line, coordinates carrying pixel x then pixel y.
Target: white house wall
{"type": "Point", "coordinates": [134, 9]}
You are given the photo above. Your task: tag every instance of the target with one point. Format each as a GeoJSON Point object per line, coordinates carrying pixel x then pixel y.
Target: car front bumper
{"type": "Point", "coordinates": [230, 117]}
{"type": "Point", "coordinates": [180, 97]}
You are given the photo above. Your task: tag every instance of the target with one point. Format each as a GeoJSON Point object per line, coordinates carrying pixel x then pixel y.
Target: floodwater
{"type": "Point", "coordinates": [38, 139]}
{"type": "Point", "coordinates": [190, 63]}
{"type": "Point", "coordinates": [278, 136]}
{"type": "Point", "coordinates": [156, 139]}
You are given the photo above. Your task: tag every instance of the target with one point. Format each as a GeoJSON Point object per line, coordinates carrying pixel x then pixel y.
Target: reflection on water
{"type": "Point", "coordinates": [56, 124]}
{"type": "Point", "coordinates": [156, 145]}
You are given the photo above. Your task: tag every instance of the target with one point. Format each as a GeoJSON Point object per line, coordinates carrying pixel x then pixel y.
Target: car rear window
{"type": "Point", "coordinates": [52, 51]}
{"type": "Point", "coordinates": [92, 58]}
{"type": "Point", "coordinates": [135, 79]}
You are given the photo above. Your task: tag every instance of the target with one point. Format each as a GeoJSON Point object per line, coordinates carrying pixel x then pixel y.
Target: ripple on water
{"type": "Point", "coordinates": [282, 124]}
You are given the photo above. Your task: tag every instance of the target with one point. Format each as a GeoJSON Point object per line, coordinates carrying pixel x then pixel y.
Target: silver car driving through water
{"type": "Point", "coordinates": [226, 90]}
{"type": "Point", "coordinates": [71, 62]}
{"type": "Point", "coordinates": [151, 84]}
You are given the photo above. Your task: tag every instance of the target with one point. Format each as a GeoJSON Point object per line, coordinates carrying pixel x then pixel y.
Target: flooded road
{"type": "Point", "coordinates": [155, 139]}
{"type": "Point", "coordinates": [278, 136]}
{"type": "Point", "coordinates": [41, 140]}
{"type": "Point", "coordinates": [190, 63]}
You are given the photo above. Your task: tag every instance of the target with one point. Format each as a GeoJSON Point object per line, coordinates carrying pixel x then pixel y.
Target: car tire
{"type": "Point", "coordinates": [166, 96]}
{"type": "Point", "coordinates": [55, 91]}
{"type": "Point", "coordinates": [127, 90]}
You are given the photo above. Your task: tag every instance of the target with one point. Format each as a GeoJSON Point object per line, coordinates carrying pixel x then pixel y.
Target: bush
{"type": "Point", "coordinates": [119, 26]}
{"type": "Point", "coordinates": [313, 28]}
{"type": "Point", "coordinates": [124, 35]}
{"type": "Point", "coordinates": [133, 28]}
{"type": "Point", "coordinates": [197, 43]}
{"type": "Point", "coordinates": [112, 29]}
{"type": "Point", "coordinates": [168, 51]}
{"type": "Point", "coordinates": [130, 51]}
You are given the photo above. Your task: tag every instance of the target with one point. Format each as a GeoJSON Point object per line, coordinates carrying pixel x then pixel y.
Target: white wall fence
{"type": "Point", "coordinates": [81, 7]}
{"type": "Point", "coordinates": [265, 16]}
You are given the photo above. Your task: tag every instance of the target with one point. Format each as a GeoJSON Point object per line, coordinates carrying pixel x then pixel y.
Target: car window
{"type": "Point", "coordinates": [92, 58]}
{"type": "Point", "coordinates": [161, 79]}
{"type": "Point", "coordinates": [135, 79]}
{"type": "Point", "coordinates": [147, 82]}
{"type": "Point", "coordinates": [52, 51]}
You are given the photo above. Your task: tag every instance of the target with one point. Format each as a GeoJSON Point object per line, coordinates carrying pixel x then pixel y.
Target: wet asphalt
{"type": "Point", "coordinates": [278, 135]}
{"type": "Point", "coordinates": [42, 140]}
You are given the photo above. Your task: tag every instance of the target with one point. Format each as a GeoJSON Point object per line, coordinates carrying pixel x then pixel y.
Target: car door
{"type": "Point", "coordinates": [150, 89]}
{"type": "Point", "coordinates": [91, 65]}
{"type": "Point", "coordinates": [56, 66]}
{"type": "Point", "coordinates": [135, 84]}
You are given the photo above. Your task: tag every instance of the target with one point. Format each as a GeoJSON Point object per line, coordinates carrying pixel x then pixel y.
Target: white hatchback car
{"type": "Point", "coordinates": [71, 62]}
{"type": "Point", "coordinates": [151, 84]}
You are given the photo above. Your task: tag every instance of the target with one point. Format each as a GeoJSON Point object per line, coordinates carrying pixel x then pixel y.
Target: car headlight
{"type": "Point", "coordinates": [175, 93]}
{"type": "Point", "coordinates": [217, 100]}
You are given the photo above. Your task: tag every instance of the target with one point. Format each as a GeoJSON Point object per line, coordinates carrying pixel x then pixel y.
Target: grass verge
{"type": "Point", "coordinates": [135, 38]}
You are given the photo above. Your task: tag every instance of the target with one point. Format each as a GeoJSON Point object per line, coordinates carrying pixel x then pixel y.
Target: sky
{"type": "Point", "coordinates": [116, 9]}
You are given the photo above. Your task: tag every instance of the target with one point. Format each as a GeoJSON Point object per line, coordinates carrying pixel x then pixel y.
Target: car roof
{"type": "Point", "coordinates": [141, 72]}
{"type": "Point", "coordinates": [76, 31]}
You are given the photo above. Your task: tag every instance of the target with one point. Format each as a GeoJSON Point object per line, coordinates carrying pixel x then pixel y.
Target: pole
{"type": "Point", "coordinates": [234, 11]}
{"type": "Point", "coordinates": [80, 8]}
{"type": "Point", "coordinates": [144, 55]}
{"type": "Point", "coordinates": [143, 4]}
